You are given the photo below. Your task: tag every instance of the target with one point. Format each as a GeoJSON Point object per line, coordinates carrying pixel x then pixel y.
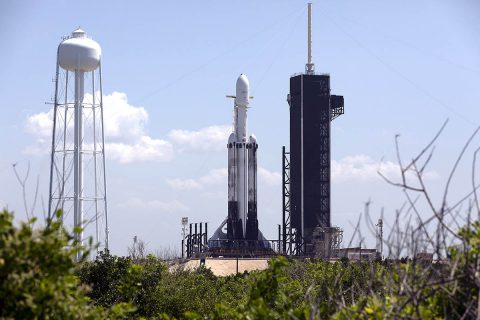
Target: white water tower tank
{"type": "Point", "coordinates": [79, 53]}
{"type": "Point", "coordinates": [77, 169]}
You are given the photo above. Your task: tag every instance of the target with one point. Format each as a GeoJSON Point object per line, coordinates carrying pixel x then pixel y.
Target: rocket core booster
{"type": "Point", "coordinates": [242, 220]}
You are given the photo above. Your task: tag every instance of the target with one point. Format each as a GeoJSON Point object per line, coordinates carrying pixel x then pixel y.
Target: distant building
{"type": "Point", "coordinates": [358, 254]}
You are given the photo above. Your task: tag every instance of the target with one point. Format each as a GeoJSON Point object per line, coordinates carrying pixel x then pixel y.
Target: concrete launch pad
{"type": "Point", "coordinates": [225, 266]}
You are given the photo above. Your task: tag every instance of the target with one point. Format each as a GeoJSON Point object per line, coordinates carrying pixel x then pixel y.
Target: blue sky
{"type": "Point", "coordinates": [403, 67]}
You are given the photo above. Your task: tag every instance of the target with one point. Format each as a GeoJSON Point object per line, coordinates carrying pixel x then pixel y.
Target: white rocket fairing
{"type": "Point", "coordinates": [242, 220]}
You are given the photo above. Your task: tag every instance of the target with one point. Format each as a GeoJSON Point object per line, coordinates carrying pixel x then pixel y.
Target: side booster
{"type": "Point", "coordinates": [242, 220]}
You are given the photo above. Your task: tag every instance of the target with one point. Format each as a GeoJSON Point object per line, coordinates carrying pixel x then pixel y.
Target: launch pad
{"type": "Point", "coordinates": [306, 229]}
{"type": "Point", "coordinates": [240, 248]}
{"type": "Point", "coordinates": [220, 245]}
{"type": "Point", "coordinates": [196, 245]}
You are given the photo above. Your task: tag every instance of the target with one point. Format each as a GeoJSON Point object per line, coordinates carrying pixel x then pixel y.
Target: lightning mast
{"type": "Point", "coordinates": [310, 66]}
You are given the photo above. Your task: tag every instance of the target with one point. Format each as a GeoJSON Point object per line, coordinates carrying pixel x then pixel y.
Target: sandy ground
{"type": "Point", "coordinates": [224, 266]}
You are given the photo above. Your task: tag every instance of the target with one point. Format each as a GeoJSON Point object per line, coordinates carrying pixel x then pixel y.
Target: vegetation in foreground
{"type": "Point", "coordinates": [39, 280]}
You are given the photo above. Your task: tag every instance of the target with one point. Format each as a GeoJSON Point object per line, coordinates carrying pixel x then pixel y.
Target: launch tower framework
{"type": "Point", "coordinates": [306, 167]}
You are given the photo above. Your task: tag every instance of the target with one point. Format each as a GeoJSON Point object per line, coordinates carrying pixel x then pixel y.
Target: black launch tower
{"type": "Point", "coordinates": [306, 172]}
{"type": "Point", "coordinates": [312, 107]}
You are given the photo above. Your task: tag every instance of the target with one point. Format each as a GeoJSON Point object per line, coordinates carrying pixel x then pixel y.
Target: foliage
{"type": "Point", "coordinates": [37, 278]}
{"type": "Point", "coordinates": [104, 276]}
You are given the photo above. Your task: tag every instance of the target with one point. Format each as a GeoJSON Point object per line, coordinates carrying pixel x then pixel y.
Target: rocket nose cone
{"type": "Point", "coordinates": [242, 93]}
{"type": "Point", "coordinates": [242, 83]}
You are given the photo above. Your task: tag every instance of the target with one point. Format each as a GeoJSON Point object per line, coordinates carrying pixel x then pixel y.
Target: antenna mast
{"type": "Point", "coordinates": [310, 67]}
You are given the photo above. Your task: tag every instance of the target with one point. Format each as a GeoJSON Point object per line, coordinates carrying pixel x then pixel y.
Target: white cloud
{"type": "Point", "coordinates": [41, 124]}
{"type": "Point", "coordinates": [126, 139]}
{"type": "Point", "coordinates": [125, 134]}
{"type": "Point", "coordinates": [184, 184]}
{"type": "Point", "coordinates": [174, 206]}
{"type": "Point", "coordinates": [123, 122]}
{"type": "Point", "coordinates": [362, 167]}
{"type": "Point", "coordinates": [350, 168]}
{"type": "Point", "coordinates": [270, 178]}
{"type": "Point", "coordinates": [145, 149]}
{"type": "Point", "coordinates": [41, 147]}
{"type": "Point", "coordinates": [213, 177]}
{"type": "Point", "coordinates": [219, 176]}
{"type": "Point", "coordinates": [213, 138]}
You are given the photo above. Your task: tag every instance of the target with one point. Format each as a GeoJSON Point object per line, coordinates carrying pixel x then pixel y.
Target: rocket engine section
{"type": "Point", "coordinates": [242, 220]}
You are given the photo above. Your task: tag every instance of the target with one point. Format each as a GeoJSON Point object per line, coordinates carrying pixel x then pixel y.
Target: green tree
{"type": "Point", "coordinates": [37, 279]}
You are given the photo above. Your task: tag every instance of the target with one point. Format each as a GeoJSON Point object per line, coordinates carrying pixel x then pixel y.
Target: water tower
{"type": "Point", "coordinates": [77, 171]}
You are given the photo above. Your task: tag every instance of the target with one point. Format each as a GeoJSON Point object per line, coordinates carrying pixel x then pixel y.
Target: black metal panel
{"type": "Point", "coordinates": [233, 231]}
{"type": "Point", "coordinates": [196, 241]}
{"type": "Point", "coordinates": [252, 222]}
{"type": "Point", "coordinates": [292, 243]}
{"type": "Point", "coordinates": [295, 151]}
{"type": "Point", "coordinates": [310, 100]}
{"type": "Point", "coordinates": [336, 106]}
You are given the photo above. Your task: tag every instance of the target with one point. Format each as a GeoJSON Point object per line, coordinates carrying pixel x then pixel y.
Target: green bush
{"type": "Point", "coordinates": [40, 280]}
{"type": "Point", "coordinates": [37, 279]}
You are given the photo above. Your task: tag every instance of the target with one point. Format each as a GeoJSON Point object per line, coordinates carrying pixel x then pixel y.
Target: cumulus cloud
{"type": "Point", "coordinates": [364, 168]}
{"type": "Point", "coordinates": [174, 206]}
{"type": "Point", "coordinates": [144, 149]}
{"type": "Point", "coordinates": [125, 134]}
{"type": "Point", "coordinates": [213, 138]}
{"type": "Point", "coordinates": [350, 168]}
{"type": "Point", "coordinates": [184, 184]}
{"type": "Point", "coordinates": [126, 139]}
{"type": "Point", "coordinates": [40, 148]}
{"type": "Point", "coordinates": [270, 178]}
{"type": "Point", "coordinates": [213, 177]}
{"type": "Point", "coordinates": [219, 176]}
{"type": "Point", "coordinates": [41, 124]}
{"type": "Point", "coordinates": [123, 122]}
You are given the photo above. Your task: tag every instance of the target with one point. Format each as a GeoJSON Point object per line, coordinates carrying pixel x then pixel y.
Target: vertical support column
{"type": "Point", "coordinates": [206, 232]}
{"type": "Point", "coordinates": [302, 180]}
{"type": "Point", "coordinates": [103, 157]}
{"type": "Point", "coordinates": [309, 67]}
{"type": "Point", "coordinates": [284, 221]}
{"type": "Point", "coordinates": [200, 238]}
{"type": "Point", "coordinates": [78, 163]}
{"type": "Point", "coordinates": [183, 248]}
{"type": "Point", "coordinates": [52, 159]}
{"type": "Point", "coordinates": [64, 155]}
{"type": "Point", "coordinates": [279, 248]}
{"type": "Point", "coordinates": [309, 33]}
{"type": "Point", "coordinates": [97, 236]}
{"type": "Point", "coordinates": [189, 243]}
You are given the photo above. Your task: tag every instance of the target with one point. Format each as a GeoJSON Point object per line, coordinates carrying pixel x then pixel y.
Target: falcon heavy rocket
{"type": "Point", "coordinates": [242, 223]}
